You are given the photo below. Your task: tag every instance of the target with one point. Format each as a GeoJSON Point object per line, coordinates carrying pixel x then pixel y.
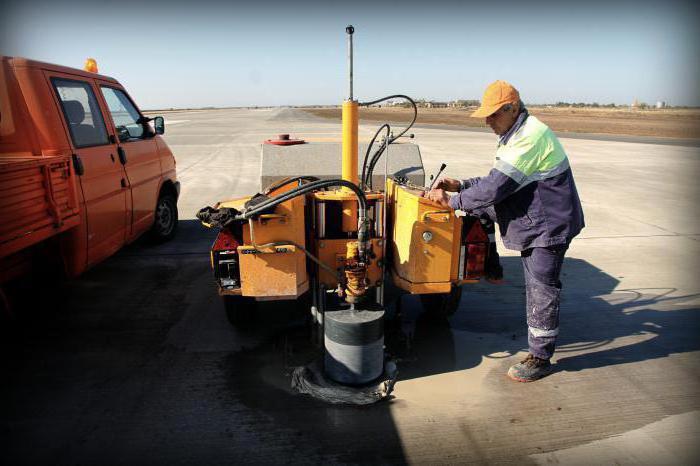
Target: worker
{"type": "Point", "coordinates": [532, 191]}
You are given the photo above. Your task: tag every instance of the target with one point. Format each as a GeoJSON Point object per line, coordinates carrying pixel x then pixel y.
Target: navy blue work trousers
{"type": "Point", "coordinates": [542, 267]}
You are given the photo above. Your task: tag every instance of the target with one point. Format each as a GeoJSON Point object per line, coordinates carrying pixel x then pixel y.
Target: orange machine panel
{"type": "Point", "coordinates": [272, 272]}
{"type": "Point", "coordinates": [273, 265]}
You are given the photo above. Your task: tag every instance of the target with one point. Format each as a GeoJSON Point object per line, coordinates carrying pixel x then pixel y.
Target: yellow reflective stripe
{"type": "Point", "coordinates": [532, 152]}
{"type": "Point", "coordinates": [524, 154]}
{"type": "Point", "coordinates": [554, 153]}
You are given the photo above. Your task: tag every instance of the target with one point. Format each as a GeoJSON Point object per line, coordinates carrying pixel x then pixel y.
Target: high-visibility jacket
{"type": "Point", "coordinates": [532, 189]}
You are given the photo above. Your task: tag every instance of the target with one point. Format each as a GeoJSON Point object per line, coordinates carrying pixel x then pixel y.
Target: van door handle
{"type": "Point", "coordinates": [122, 155]}
{"type": "Point", "coordinates": [78, 165]}
{"type": "Point", "coordinates": [123, 183]}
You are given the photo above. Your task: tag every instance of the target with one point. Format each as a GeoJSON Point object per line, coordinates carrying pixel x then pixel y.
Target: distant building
{"type": "Point", "coordinates": [661, 104]}
{"type": "Point", "coordinates": [463, 103]}
{"type": "Point", "coordinates": [433, 104]}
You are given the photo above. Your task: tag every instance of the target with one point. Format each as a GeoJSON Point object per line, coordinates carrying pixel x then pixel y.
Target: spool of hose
{"type": "Point", "coordinates": [354, 341]}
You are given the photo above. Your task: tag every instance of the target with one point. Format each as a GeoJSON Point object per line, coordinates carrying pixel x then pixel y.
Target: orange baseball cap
{"type": "Point", "coordinates": [496, 95]}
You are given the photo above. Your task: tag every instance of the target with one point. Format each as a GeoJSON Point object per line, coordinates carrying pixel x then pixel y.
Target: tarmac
{"type": "Point", "coordinates": [134, 362]}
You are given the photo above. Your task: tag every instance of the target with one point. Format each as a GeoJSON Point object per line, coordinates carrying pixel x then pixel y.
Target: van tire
{"type": "Point", "coordinates": [166, 219]}
{"type": "Point", "coordinates": [442, 305]}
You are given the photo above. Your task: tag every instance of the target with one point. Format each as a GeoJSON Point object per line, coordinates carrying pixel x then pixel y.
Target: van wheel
{"type": "Point", "coordinates": [165, 223]}
{"type": "Point", "coordinates": [442, 305]}
{"type": "Point", "coordinates": [240, 310]}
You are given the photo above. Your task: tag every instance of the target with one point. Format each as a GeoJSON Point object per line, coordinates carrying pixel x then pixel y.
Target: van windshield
{"type": "Point", "coordinates": [125, 116]}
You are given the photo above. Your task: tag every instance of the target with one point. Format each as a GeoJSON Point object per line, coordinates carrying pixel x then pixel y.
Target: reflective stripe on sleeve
{"type": "Point", "coordinates": [538, 332]}
{"type": "Point", "coordinates": [543, 175]}
{"type": "Point", "coordinates": [539, 176]}
{"type": "Point", "coordinates": [510, 171]}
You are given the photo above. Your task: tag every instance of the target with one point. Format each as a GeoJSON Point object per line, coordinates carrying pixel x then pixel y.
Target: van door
{"type": "Point", "coordinates": [103, 179]}
{"type": "Point", "coordinates": [138, 153]}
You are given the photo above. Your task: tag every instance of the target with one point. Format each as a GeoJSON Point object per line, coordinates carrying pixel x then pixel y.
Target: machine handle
{"type": "Point", "coordinates": [266, 217]}
{"type": "Point", "coordinates": [442, 216]}
{"type": "Point", "coordinates": [264, 249]}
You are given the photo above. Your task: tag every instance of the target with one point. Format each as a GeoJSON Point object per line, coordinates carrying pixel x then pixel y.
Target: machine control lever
{"type": "Point", "coordinates": [433, 179]}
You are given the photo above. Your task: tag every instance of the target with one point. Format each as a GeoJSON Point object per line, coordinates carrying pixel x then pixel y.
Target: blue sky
{"type": "Point", "coordinates": [210, 53]}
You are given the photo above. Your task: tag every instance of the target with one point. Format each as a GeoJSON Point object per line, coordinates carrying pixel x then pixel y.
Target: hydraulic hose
{"type": "Point", "coordinates": [363, 180]}
{"type": "Point", "coordinates": [396, 96]}
{"type": "Point", "coordinates": [284, 182]}
{"type": "Point", "coordinates": [362, 230]}
{"type": "Point", "coordinates": [324, 266]}
{"type": "Point", "coordinates": [314, 186]}
{"type": "Point", "coordinates": [366, 180]}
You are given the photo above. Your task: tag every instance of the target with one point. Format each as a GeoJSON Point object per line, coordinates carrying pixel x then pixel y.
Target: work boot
{"type": "Point", "coordinates": [530, 369]}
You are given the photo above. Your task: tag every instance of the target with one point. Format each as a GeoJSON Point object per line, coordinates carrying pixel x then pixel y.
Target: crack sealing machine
{"type": "Point", "coordinates": [334, 243]}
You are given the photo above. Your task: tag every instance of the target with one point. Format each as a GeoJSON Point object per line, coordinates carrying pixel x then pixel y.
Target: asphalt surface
{"type": "Point", "coordinates": [135, 362]}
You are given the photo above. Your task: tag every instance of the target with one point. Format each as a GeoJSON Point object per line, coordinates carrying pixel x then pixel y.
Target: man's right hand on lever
{"type": "Point", "coordinates": [448, 184]}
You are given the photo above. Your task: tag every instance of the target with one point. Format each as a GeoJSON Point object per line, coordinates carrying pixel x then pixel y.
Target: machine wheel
{"type": "Point", "coordinates": [240, 310]}
{"type": "Point", "coordinates": [165, 223]}
{"type": "Point", "coordinates": [442, 304]}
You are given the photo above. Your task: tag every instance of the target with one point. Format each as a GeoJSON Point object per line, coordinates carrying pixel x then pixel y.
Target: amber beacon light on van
{"type": "Point", "coordinates": [90, 65]}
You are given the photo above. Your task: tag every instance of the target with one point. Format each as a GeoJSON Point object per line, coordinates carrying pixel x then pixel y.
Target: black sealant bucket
{"type": "Point", "coordinates": [354, 341]}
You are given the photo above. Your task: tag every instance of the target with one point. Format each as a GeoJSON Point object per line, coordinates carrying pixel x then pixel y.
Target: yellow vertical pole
{"type": "Point", "coordinates": [349, 167]}
{"type": "Point", "coordinates": [350, 124]}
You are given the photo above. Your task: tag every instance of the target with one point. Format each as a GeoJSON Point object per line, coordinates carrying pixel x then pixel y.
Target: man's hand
{"type": "Point", "coordinates": [448, 184]}
{"type": "Point", "coordinates": [439, 196]}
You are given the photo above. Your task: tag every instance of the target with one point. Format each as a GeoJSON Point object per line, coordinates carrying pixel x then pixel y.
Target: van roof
{"type": "Point", "coordinates": [20, 62]}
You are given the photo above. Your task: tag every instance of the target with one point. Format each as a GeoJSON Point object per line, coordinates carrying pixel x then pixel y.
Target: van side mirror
{"type": "Point", "coordinates": [123, 133]}
{"type": "Point", "coordinates": [159, 124]}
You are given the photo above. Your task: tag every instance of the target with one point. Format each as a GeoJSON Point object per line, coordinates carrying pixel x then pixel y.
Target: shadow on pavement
{"type": "Point", "coordinates": [600, 326]}
{"type": "Point", "coordinates": [135, 360]}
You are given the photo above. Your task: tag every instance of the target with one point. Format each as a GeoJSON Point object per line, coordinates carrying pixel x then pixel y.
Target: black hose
{"type": "Point", "coordinates": [286, 181]}
{"type": "Point", "coordinates": [362, 230]}
{"type": "Point", "coordinates": [316, 185]}
{"type": "Point", "coordinates": [396, 96]}
{"type": "Point", "coordinates": [363, 180]}
{"type": "Point", "coordinates": [324, 266]}
{"type": "Point", "coordinates": [373, 163]}
{"type": "Point", "coordinates": [271, 201]}
{"type": "Point", "coordinates": [366, 179]}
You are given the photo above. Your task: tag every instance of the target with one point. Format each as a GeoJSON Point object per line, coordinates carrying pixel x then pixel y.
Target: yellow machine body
{"type": "Point", "coordinates": [425, 242]}
{"type": "Point", "coordinates": [273, 271]}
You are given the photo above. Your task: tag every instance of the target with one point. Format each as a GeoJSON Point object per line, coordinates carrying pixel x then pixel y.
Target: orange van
{"type": "Point", "coordinates": [82, 171]}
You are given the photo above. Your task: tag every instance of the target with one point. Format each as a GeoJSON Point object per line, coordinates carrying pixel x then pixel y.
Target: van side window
{"type": "Point", "coordinates": [85, 121]}
{"type": "Point", "coordinates": [126, 118]}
